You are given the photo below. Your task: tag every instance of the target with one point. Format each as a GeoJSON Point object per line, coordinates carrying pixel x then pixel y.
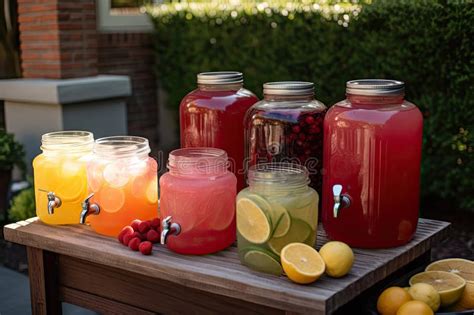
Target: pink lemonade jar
{"type": "Point", "coordinates": [197, 201]}
{"type": "Point", "coordinates": [372, 154]}
{"type": "Point", "coordinates": [212, 116]}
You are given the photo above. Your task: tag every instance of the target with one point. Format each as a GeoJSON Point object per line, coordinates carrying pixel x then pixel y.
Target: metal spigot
{"type": "Point", "coordinates": [340, 201]}
{"type": "Point", "coordinates": [53, 202]}
{"type": "Point", "coordinates": [168, 228]}
{"type": "Point", "coordinates": [88, 208]}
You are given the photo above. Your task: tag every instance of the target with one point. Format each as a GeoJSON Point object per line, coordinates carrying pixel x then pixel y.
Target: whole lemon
{"type": "Point", "coordinates": [391, 299]}
{"type": "Point", "coordinates": [425, 293]}
{"type": "Point", "coordinates": [338, 258]}
{"type": "Point", "coordinates": [415, 308]}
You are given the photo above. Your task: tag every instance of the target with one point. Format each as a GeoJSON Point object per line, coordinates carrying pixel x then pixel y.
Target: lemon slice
{"type": "Point", "coordinates": [462, 267]}
{"type": "Point", "coordinates": [449, 285]}
{"type": "Point", "coordinates": [152, 192]}
{"type": "Point", "coordinates": [302, 263]}
{"type": "Point", "coordinates": [299, 232]}
{"type": "Point", "coordinates": [252, 222]}
{"type": "Point", "coordinates": [261, 261]}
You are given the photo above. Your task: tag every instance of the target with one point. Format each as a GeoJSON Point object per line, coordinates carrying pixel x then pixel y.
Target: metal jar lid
{"type": "Point", "coordinates": [297, 88]}
{"type": "Point", "coordinates": [375, 87]}
{"type": "Point", "coordinates": [220, 77]}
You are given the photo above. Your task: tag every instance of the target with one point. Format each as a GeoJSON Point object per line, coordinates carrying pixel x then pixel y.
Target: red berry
{"type": "Point", "coordinates": [155, 223]}
{"type": "Point", "coordinates": [309, 120]}
{"type": "Point", "coordinates": [296, 129]}
{"type": "Point", "coordinates": [153, 236]}
{"type": "Point", "coordinates": [134, 243]}
{"type": "Point", "coordinates": [145, 247]}
{"type": "Point", "coordinates": [135, 224]}
{"type": "Point", "coordinates": [139, 235]}
{"type": "Point", "coordinates": [126, 230]}
{"type": "Point", "coordinates": [144, 226]}
{"type": "Point", "coordinates": [127, 238]}
{"type": "Point", "coordinates": [302, 136]}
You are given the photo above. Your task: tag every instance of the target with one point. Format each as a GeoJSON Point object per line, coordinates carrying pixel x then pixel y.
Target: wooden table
{"type": "Point", "coordinates": [72, 264]}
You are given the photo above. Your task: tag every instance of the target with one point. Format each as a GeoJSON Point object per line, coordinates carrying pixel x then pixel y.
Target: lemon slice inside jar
{"type": "Point", "coordinates": [252, 222]}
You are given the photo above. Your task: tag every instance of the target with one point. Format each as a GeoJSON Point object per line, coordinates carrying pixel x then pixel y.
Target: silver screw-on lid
{"type": "Point", "coordinates": [374, 87]}
{"type": "Point", "coordinates": [220, 77]}
{"type": "Point", "coordinates": [298, 88]}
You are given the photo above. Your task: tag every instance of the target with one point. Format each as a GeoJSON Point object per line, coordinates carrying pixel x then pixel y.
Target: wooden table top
{"type": "Point", "coordinates": [222, 273]}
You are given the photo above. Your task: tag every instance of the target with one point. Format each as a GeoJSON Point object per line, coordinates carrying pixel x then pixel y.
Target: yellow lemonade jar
{"type": "Point", "coordinates": [60, 176]}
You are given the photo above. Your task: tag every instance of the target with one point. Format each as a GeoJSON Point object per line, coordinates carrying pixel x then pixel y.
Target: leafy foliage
{"type": "Point", "coordinates": [11, 152]}
{"type": "Point", "coordinates": [23, 206]}
{"type": "Point", "coordinates": [428, 44]}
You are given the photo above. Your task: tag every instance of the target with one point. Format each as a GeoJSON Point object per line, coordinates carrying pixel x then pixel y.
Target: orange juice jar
{"type": "Point", "coordinates": [123, 184]}
{"type": "Point", "coordinates": [60, 175]}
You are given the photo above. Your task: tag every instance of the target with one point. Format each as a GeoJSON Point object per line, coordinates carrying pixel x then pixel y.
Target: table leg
{"type": "Point", "coordinates": [42, 270]}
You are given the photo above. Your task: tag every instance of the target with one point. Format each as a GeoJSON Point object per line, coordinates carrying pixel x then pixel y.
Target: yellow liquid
{"type": "Point", "coordinates": [66, 177]}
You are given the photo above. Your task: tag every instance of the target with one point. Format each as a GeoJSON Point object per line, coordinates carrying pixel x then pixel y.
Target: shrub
{"type": "Point", "coordinates": [11, 152]}
{"type": "Point", "coordinates": [23, 206]}
{"type": "Point", "coordinates": [428, 44]}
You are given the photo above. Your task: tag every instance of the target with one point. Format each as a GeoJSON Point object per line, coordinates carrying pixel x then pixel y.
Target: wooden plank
{"type": "Point", "coordinates": [98, 304]}
{"type": "Point", "coordinates": [222, 273]}
{"type": "Point", "coordinates": [147, 293]}
{"type": "Point", "coordinates": [43, 282]}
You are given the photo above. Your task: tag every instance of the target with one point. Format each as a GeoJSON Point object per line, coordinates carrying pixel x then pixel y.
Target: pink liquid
{"type": "Point", "coordinates": [214, 118]}
{"type": "Point", "coordinates": [373, 150]}
{"type": "Point", "coordinates": [199, 197]}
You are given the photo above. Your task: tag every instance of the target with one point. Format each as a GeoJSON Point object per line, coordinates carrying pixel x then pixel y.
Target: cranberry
{"type": "Point", "coordinates": [309, 120]}
{"type": "Point", "coordinates": [296, 129]}
{"type": "Point", "coordinates": [302, 136]}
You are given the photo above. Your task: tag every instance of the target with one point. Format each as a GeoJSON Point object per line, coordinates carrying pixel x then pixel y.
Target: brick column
{"type": "Point", "coordinates": [58, 38]}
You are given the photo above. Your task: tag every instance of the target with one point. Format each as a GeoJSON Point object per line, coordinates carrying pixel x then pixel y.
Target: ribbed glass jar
{"type": "Point", "coordinates": [276, 209]}
{"type": "Point", "coordinates": [60, 175]}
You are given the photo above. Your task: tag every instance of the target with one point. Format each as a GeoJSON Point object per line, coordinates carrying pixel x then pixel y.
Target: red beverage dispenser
{"type": "Point", "coordinates": [371, 159]}
{"type": "Point", "coordinates": [213, 116]}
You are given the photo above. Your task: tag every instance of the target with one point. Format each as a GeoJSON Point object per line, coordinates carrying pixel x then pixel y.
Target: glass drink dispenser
{"type": "Point", "coordinates": [372, 154]}
{"type": "Point", "coordinates": [60, 175]}
{"type": "Point", "coordinates": [123, 184]}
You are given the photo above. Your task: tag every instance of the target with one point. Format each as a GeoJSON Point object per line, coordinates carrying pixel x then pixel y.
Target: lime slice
{"type": "Point", "coordinates": [252, 222]}
{"type": "Point", "coordinates": [308, 213]}
{"type": "Point", "coordinates": [299, 232]}
{"type": "Point", "coordinates": [282, 224]}
{"type": "Point", "coordinates": [261, 261]}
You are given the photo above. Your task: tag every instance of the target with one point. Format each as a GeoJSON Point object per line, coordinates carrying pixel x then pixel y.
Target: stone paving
{"type": "Point", "coordinates": [15, 295]}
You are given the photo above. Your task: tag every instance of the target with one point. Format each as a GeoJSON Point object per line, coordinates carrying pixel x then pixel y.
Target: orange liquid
{"type": "Point", "coordinates": [66, 177]}
{"type": "Point", "coordinates": [124, 191]}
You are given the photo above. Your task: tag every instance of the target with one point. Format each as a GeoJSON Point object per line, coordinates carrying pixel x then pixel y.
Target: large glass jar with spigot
{"type": "Point", "coordinates": [60, 175]}
{"type": "Point", "coordinates": [372, 154]}
{"type": "Point", "coordinates": [123, 184]}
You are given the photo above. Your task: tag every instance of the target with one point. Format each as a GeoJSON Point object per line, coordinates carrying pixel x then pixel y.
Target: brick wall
{"type": "Point", "coordinates": [131, 54]}
{"type": "Point", "coordinates": [58, 38]}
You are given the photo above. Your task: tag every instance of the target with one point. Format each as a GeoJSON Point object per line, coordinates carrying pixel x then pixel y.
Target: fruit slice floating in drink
{"type": "Point", "coordinates": [267, 223]}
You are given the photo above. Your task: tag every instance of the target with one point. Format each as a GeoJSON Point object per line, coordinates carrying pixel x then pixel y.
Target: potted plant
{"type": "Point", "coordinates": [11, 154]}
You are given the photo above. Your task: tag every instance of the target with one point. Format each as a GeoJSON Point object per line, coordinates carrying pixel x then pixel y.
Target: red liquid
{"type": "Point", "coordinates": [373, 150]}
{"type": "Point", "coordinates": [214, 118]}
{"type": "Point", "coordinates": [287, 135]}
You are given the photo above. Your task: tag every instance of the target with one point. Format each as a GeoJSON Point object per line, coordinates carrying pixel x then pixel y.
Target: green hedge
{"type": "Point", "coordinates": [428, 44]}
